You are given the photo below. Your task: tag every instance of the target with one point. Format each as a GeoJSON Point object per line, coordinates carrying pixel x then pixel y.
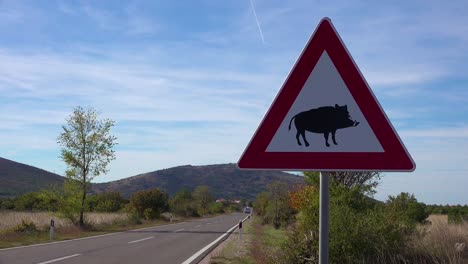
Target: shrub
{"type": "Point", "coordinates": [7, 204]}
{"type": "Point", "coordinates": [134, 219]}
{"type": "Point", "coordinates": [273, 206]}
{"type": "Point", "coordinates": [360, 231]}
{"type": "Point", "coordinates": [25, 227]}
{"type": "Point", "coordinates": [109, 202]}
{"type": "Point", "coordinates": [457, 216]}
{"type": "Point", "coordinates": [203, 197]}
{"type": "Point", "coordinates": [154, 199]}
{"type": "Point", "coordinates": [150, 214]}
{"type": "Point", "coordinates": [183, 204]}
{"type": "Point", "coordinates": [27, 202]}
{"type": "Point", "coordinates": [216, 208]}
{"type": "Point", "coordinates": [406, 209]}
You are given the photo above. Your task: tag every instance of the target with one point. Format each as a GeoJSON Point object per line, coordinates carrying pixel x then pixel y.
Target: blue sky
{"type": "Point", "coordinates": [188, 82]}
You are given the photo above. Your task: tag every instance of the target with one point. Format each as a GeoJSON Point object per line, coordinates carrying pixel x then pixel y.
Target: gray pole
{"type": "Point", "coordinates": [324, 218]}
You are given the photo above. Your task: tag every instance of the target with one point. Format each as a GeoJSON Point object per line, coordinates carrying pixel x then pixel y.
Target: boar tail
{"type": "Point", "coordinates": [291, 121]}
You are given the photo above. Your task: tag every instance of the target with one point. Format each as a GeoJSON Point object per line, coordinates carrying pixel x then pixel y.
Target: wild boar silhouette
{"type": "Point", "coordinates": [325, 119]}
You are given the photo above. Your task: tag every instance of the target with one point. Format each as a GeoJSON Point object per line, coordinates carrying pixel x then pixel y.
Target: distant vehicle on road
{"type": "Point", "coordinates": [247, 210]}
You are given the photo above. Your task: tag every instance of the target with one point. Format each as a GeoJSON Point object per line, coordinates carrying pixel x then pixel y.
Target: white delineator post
{"type": "Point", "coordinates": [52, 225]}
{"type": "Point", "coordinates": [240, 229]}
{"type": "Point", "coordinates": [324, 224]}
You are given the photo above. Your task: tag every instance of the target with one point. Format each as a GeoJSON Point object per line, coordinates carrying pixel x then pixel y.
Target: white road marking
{"type": "Point", "coordinates": [179, 230]}
{"type": "Point", "coordinates": [59, 259]}
{"type": "Point", "coordinates": [208, 223]}
{"type": "Point", "coordinates": [198, 226]}
{"type": "Point", "coordinates": [82, 238]}
{"type": "Point", "coordinates": [196, 255]}
{"type": "Point", "coordinates": [139, 240]}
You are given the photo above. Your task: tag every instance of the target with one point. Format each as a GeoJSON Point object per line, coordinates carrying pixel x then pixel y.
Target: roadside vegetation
{"type": "Point", "coordinates": [362, 230]}
{"type": "Point", "coordinates": [25, 219]}
{"type": "Point", "coordinates": [87, 148]}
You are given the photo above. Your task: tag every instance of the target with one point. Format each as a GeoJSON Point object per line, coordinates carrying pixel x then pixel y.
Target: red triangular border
{"type": "Point", "coordinates": [395, 156]}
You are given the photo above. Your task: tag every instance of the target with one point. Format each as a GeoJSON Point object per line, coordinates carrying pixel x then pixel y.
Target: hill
{"type": "Point", "coordinates": [225, 181]}
{"type": "Point", "coordinates": [18, 178]}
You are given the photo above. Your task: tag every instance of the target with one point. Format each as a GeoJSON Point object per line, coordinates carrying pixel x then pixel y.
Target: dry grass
{"type": "Point", "coordinates": [42, 219]}
{"type": "Point", "coordinates": [436, 219]}
{"type": "Point", "coordinates": [438, 241]}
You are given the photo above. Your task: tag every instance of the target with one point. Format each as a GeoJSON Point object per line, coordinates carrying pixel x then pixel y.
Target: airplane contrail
{"type": "Point", "coordinates": [258, 22]}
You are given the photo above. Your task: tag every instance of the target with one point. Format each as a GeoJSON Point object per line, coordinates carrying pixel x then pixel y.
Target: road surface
{"type": "Point", "coordinates": [175, 243]}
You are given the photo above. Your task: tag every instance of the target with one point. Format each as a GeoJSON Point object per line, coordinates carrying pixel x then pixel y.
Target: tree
{"type": "Point", "coordinates": [182, 203]}
{"type": "Point", "coordinates": [278, 209]}
{"type": "Point", "coordinates": [107, 202]}
{"type": "Point", "coordinates": [153, 199]}
{"type": "Point", "coordinates": [87, 149]}
{"type": "Point", "coordinates": [406, 208]}
{"type": "Point", "coordinates": [260, 204]}
{"type": "Point", "coordinates": [367, 180]}
{"type": "Point", "coordinates": [203, 197]}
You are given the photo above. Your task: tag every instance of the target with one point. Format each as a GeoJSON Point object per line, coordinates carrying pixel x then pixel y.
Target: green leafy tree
{"type": "Point", "coordinates": [216, 208]}
{"type": "Point", "coordinates": [69, 204]}
{"type": "Point", "coordinates": [183, 204]}
{"type": "Point", "coordinates": [405, 208]}
{"type": "Point", "coordinates": [154, 199]}
{"type": "Point", "coordinates": [109, 202]}
{"type": "Point", "coordinates": [366, 180]}
{"type": "Point", "coordinates": [278, 210]}
{"type": "Point", "coordinates": [203, 198]}
{"type": "Point", "coordinates": [27, 202]}
{"type": "Point", "coordinates": [260, 204]}
{"type": "Point", "coordinates": [87, 149]}
{"type": "Point", "coordinates": [7, 204]}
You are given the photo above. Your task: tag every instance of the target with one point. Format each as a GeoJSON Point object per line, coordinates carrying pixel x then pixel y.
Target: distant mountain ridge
{"type": "Point", "coordinates": [18, 178]}
{"type": "Point", "coordinates": [225, 180]}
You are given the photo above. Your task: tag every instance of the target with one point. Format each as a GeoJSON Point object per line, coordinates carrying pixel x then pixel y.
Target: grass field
{"type": "Point", "coordinates": [260, 244]}
{"type": "Point", "coordinates": [9, 219]}
{"type": "Point", "coordinates": [98, 223]}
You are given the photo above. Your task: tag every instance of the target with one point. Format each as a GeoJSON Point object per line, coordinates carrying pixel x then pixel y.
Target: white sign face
{"type": "Point", "coordinates": [326, 93]}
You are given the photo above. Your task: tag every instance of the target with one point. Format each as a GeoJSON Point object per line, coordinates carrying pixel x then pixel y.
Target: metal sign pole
{"type": "Point", "coordinates": [324, 224]}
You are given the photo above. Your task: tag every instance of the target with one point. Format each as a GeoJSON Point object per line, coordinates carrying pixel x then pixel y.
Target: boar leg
{"type": "Point", "coordinates": [297, 137]}
{"type": "Point", "coordinates": [326, 138]}
{"type": "Point", "coordinates": [333, 137]}
{"type": "Point", "coordinates": [304, 138]}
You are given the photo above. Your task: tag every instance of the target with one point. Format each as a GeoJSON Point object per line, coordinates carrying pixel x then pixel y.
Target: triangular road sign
{"type": "Point", "coordinates": [326, 118]}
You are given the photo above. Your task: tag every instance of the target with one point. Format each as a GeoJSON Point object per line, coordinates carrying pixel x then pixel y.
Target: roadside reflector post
{"type": "Point", "coordinates": [240, 229]}
{"type": "Point", "coordinates": [324, 224]}
{"type": "Point", "coordinates": [52, 225]}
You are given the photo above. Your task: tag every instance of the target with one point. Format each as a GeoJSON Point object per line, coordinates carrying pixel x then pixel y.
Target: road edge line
{"type": "Point", "coordinates": [199, 255]}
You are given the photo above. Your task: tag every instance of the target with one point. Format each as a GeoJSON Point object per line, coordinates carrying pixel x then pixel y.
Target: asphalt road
{"type": "Point", "coordinates": [175, 243]}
